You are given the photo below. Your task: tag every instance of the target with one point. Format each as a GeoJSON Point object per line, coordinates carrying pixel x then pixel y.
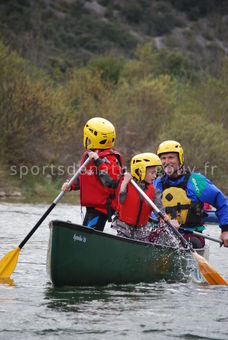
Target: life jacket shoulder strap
{"type": "Point", "coordinates": [182, 184]}
{"type": "Point", "coordinates": [103, 154]}
{"type": "Point", "coordinates": [107, 152]}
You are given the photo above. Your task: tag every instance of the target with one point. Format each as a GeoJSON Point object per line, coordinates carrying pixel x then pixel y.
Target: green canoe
{"type": "Point", "coordinates": [78, 255]}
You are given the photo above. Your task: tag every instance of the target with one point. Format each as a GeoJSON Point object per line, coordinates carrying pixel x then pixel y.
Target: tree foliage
{"type": "Point", "coordinates": [149, 98]}
{"type": "Point", "coordinates": [32, 111]}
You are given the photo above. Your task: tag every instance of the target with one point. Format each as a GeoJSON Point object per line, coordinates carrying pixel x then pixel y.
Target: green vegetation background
{"type": "Point", "coordinates": [52, 81]}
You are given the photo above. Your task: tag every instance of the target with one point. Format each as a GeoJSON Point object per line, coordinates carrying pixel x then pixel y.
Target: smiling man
{"type": "Point", "coordinates": [184, 194]}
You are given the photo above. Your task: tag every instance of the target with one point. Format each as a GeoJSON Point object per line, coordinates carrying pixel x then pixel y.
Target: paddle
{"type": "Point", "coordinates": [9, 261]}
{"type": "Point", "coordinates": [210, 274]}
{"type": "Point", "coordinates": [203, 235]}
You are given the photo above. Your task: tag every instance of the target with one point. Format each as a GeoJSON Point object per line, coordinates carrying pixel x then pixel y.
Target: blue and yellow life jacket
{"type": "Point", "coordinates": [178, 206]}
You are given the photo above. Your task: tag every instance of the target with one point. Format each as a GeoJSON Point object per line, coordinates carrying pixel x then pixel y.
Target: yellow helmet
{"type": "Point", "coordinates": [171, 146]}
{"type": "Point", "coordinates": [100, 132]}
{"type": "Point", "coordinates": [141, 162]}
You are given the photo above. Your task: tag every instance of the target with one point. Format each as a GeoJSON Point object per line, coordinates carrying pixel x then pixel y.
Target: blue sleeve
{"type": "Point", "coordinates": [158, 184]}
{"type": "Point", "coordinates": [201, 189]}
{"type": "Point", "coordinates": [218, 200]}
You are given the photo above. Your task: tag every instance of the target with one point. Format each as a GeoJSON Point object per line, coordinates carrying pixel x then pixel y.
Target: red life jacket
{"type": "Point", "coordinates": [92, 192]}
{"type": "Point", "coordinates": [135, 210]}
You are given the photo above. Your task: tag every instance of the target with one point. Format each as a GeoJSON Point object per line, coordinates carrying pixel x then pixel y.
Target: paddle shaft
{"type": "Point", "coordinates": [54, 203]}
{"type": "Point", "coordinates": [186, 244]}
{"type": "Point", "coordinates": [203, 235]}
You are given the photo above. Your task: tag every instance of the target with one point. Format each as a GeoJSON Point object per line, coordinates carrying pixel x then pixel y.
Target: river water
{"type": "Point", "coordinates": [30, 307]}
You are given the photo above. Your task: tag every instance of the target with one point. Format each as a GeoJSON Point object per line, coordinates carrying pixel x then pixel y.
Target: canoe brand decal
{"type": "Point", "coordinates": [79, 238]}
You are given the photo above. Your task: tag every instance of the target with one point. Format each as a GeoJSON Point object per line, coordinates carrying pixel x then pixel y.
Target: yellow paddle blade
{"type": "Point", "coordinates": [6, 281]}
{"type": "Point", "coordinates": [8, 263]}
{"type": "Point", "coordinates": [210, 274]}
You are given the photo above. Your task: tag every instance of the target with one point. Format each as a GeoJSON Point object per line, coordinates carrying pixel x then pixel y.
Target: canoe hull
{"type": "Point", "coordinates": [79, 255]}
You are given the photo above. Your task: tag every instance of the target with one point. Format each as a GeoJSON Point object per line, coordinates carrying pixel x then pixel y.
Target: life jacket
{"type": "Point", "coordinates": [92, 192]}
{"type": "Point", "coordinates": [178, 206]}
{"type": "Point", "coordinates": [135, 210]}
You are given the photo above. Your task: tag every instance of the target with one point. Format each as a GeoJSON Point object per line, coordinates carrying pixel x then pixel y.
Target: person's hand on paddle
{"type": "Point", "coordinates": [126, 179]}
{"type": "Point", "coordinates": [93, 155]}
{"type": "Point", "coordinates": [224, 238]}
{"type": "Point", "coordinates": [65, 187]}
{"type": "Point", "coordinates": [174, 222]}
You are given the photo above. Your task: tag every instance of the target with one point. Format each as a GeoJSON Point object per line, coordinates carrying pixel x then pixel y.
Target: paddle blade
{"type": "Point", "coordinates": [210, 274]}
{"type": "Point", "coordinates": [6, 281]}
{"type": "Point", "coordinates": [8, 263]}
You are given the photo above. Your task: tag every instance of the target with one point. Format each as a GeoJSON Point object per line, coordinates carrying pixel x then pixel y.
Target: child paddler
{"type": "Point", "coordinates": [133, 211]}
{"type": "Point", "coordinates": [100, 179]}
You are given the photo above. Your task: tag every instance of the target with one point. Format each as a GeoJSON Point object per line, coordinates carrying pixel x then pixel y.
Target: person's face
{"type": "Point", "coordinates": [151, 173]}
{"type": "Point", "coordinates": [170, 163]}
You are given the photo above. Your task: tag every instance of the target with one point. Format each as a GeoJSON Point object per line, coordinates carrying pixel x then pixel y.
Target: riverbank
{"type": "Point", "coordinates": [35, 189]}
{"type": "Point", "coordinates": [32, 189]}
{"type": "Point", "coordinates": [19, 197]}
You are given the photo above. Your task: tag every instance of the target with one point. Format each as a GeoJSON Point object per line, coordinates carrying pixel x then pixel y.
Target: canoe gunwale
{"type": "Point", "coordinates": [62, 224]}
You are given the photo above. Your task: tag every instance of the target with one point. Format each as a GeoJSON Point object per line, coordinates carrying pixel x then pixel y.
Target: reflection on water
{"type": "Point", "coordinates": [133, 311]}
{"type": "Point", "coordinates": [111, 292]}
{"type": "Point", "coordinates": [111, 300]}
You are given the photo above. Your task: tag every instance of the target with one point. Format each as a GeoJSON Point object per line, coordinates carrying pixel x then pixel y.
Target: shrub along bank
{"type": "Point", "coordinates": [155, 95]}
